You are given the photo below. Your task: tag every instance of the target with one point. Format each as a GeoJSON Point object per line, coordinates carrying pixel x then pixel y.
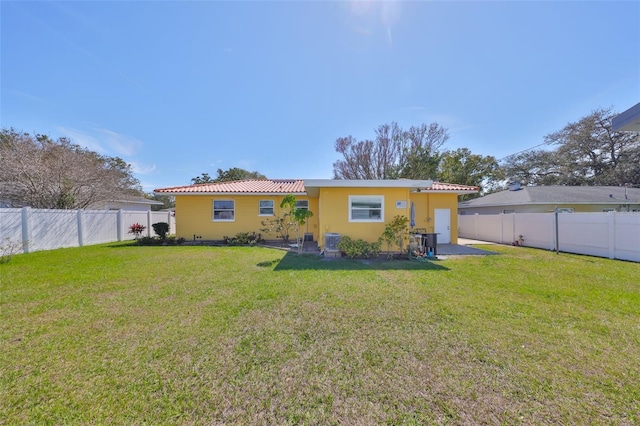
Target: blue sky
{"type": "Point", "coordinates": [181, 88]}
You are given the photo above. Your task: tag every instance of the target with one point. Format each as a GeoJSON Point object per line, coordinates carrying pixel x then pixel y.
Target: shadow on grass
{"type": "Point", "coordinates": [292, 261]}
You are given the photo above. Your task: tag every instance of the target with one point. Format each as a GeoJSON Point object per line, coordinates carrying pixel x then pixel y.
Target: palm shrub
{"type": "Point", "coordinates": [162, 229]}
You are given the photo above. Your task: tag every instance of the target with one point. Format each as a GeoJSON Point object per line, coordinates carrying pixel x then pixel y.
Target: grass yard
{"type": "Point", "coordinates": [120, 334]}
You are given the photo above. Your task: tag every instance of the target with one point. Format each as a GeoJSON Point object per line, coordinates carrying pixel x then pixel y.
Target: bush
{"type": "Point", "coordinates": [358, 248]}
{"type": "Point", "coordinates": [162, 229]}
{"type": "Point", "coordinates": [156, 241]}
{"type": "Point", "coordinates": [136, 229]}
{"type": "Point", "coordinates": [395, 232]}
{"type": "Point", "coordinates": [243, 239]}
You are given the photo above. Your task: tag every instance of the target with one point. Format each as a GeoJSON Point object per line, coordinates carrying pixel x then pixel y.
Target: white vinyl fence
{"type": "Point", "coordinates": [40, 229]}
{"type": "Point", "coordinates": [613, 235]}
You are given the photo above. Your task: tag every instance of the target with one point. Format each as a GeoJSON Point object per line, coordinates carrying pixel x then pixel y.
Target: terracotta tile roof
{"type": "Point", "coordinates": [279, 186]}
{"type": "Point", "coordinates": [248, 186]}
{"type": "Point", "coordinates": [442, 186]}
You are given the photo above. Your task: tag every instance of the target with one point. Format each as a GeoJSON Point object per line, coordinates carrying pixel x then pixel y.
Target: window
{"type": "Point", "coordinates": [366, 208]}
{"type": "Point", "coordinates": [508, 211]}
{"type": "Point", "coordinates": [224, 210]}
{"type": "Point", "coordinates": [302, 204]}
{"type": "Point", "coordinates": [266, 208]}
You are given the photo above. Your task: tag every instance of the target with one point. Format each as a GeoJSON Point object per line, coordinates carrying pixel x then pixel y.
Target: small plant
{"type": "Point", "coordinates": [9, 248]}
{"type": "Point", "coordinates": [298, 218]}
{"type": "Point", "coordinates": [395, 232]}
{"type": "Point", "coordinates": [359, 248]}
{"type": "Point", "coordinates": [279, 226]}
{"type": "Point", "coordinates": [162, 229]}
{"type": "Point", "coordinates": [243, 239]}
{"type": "Point", "coordinates": [136, 229]}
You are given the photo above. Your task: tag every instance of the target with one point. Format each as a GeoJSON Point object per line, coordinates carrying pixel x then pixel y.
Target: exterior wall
{"type": "Point", "coordinates": [330, 210]}
{"type": "Point", "coordinates": [334, 212]}
{"type": "Point", "coordinates": [194, 215]}
{"type": "Point", "coordinates": [549, 208]}
{"type": "Point", "coordinates": [426, 203]}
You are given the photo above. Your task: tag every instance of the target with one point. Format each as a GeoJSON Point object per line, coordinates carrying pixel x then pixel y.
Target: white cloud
{"type": "Point", "coordinates": [121, 144]}
{"type": "Point", "coordinates": [83, 139]}
{"type": "Point", "coordinates": [142, 169]}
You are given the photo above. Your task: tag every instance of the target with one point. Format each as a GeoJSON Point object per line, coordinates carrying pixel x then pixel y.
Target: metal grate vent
{"type": "Point", "coordinates": [331, 241]}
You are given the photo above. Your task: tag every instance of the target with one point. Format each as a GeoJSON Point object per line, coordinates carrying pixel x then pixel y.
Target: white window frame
{"type": "Point", "coordinates": [260, 207]}
{"type": "Point", "coordinates": [302, 204]}
{"type": "Point", "coordinates": [233, 211]}
{"type": "Point", "coordinates": [356, 198]}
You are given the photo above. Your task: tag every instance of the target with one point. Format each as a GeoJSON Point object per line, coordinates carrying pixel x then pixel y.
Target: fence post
{"type": "Point", "coordinates": [612, 234]}
{"type": "Point", "coordinates": [80, 236]}
{"type": "Point", "coordinates": [557, 231]}
{"type": "Point", "coordinates": [148, 223]}
{"type": "Point", "coordinates": [25, 229]}
{"type": "Point", "coordinates": [119, 224]}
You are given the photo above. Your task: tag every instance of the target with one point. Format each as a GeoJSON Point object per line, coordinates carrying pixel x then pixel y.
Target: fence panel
{"type": "Point", "coordinates": [50, 229]}
{"type": "Point", "coordinates": [537, 230]}
{"type": "Point", "coordinates": [584, 233]}
{"type": "Point", "coordinates": [99, 226]}
{"type": "Point", "coordinates": [10, 225]}
{"type": "Point", "coordinates": [612, 235]}
{"type": "Point", "coordinates": [627, 237]}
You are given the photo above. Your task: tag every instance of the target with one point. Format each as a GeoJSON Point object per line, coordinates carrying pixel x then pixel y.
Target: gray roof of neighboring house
{"type": "Point", "coordinates": [558, 194]}
{"type": "Point", "coordinates": [139, 200]}
{"type": "Point", "coordinates": [627, 121]}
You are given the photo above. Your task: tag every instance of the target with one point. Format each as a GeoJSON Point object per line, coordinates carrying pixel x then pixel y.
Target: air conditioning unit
{"type": "Point", "coordinates": [331, 241]}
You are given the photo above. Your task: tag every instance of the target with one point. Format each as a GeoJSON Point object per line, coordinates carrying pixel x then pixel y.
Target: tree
{"type": "Point", "coordinates": [395, 153]}
{"type": "Point", "coordinates": [56, 174]}
{"type": "Point", "coordinates": [464, 168]}
{"type": "Point", "coordinates": [297, 216]}
{"type": "Point", "coordinates": [203, 178]}
{"type": "Point", "coordinates": [231, 174]}
{"type": "Point", "coordinates": [588, 152]}
{"type": "Point", "coordinates": [236, 173]}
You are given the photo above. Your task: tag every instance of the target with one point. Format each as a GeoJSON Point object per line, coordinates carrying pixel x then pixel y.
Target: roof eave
{"type": "Point", "coordinates": [174, 193]}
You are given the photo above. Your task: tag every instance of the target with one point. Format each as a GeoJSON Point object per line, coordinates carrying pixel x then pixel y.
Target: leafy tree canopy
{"type": "Point", "coordinates": [465, 168]}
{"type": "Point", "coordinates": [39, 172]}
{"type": "Point", "coordinates": [233, 173]}
{"type": "Point", "coordinates": [586, 152]}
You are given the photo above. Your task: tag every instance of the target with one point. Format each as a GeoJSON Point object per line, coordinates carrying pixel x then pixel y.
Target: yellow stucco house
{"type": "Point", "coordinates": [356, 208]}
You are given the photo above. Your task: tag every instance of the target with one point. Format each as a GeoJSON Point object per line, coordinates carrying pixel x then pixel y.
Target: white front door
{"type": "Point", "coordinates": [443, 225]}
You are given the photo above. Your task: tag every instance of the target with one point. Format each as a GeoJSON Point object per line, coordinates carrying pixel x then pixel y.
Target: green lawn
{"type": "Point", "coordinates": [120, 334]}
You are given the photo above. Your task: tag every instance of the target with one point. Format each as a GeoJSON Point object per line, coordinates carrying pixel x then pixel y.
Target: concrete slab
{"type": "Point", "coordinates": [459, 249]}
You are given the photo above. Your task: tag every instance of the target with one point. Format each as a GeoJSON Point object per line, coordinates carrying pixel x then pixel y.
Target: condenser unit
{"type": "Point", "coordinates": [331, 241]}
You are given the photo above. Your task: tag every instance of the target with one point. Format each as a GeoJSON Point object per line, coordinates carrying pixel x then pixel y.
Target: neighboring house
{"type": "Point", "coordinates": [356, 208]}
{"type": "Point", "coordinates": [628, 121]}
{"type": "Point", "coordinates": [140, 204]}
{"type": "Point", "coordinates": [545, 199]}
